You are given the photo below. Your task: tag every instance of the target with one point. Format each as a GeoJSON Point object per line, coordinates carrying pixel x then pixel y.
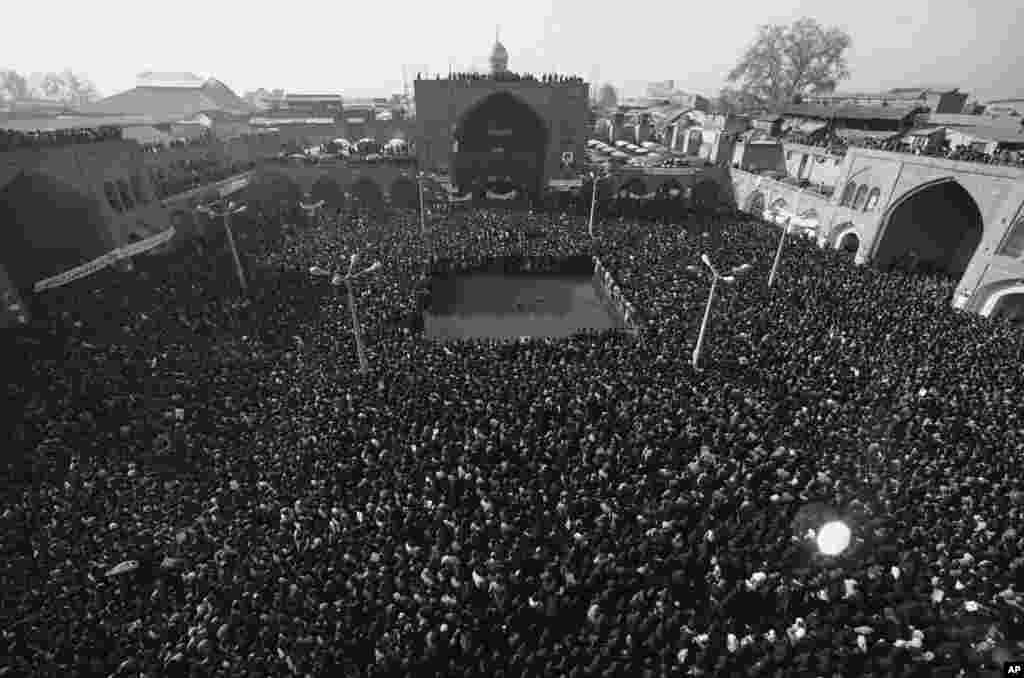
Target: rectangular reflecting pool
{"type": "Point", "coordinates": [495, 306]}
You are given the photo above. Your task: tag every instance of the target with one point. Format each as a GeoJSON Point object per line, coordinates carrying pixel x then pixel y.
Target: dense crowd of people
{"type": "Point", "coordinates": [185, 175]}
{"type": "Point", "coordinates": [13, 140]}
{"type": "Point", "coordinates": [899, 144]}
{"type": "Point", "coordinates": [508, 76]}
{"type": "Point", "coordinates": [585, 507]}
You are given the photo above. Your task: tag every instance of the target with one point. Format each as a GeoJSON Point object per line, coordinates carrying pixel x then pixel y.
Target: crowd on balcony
{"type": "Point", "coordinates": [509, 76]}
{"type": "Point", "coordinates": [212, 489]}
{"type": "Point", "coordinates": [13, 140]}
{"type": "Point", "coordinates": [899, 144]}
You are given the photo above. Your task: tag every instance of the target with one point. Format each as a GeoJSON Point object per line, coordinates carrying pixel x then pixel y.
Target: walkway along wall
{"type": "Point", "coordinates": [613, 295]}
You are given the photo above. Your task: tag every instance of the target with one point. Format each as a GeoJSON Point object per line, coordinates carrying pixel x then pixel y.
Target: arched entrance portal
{"type": "Point", "coordinates": [848, 245]}
{"type": "Point", "coordinates": [501, 139]}
{"type": "Point", "coordinates": [933, 228]}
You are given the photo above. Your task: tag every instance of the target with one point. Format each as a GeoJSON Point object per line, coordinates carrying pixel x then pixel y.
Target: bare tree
{"type": "Point", "coordinates": [607, 97]}
{"type": "Point", "coordinates": [13, 86]}
{"type": "Point", "coordinates": [69, 88]}
{"type": "Point", "coordinates": [784, 62]}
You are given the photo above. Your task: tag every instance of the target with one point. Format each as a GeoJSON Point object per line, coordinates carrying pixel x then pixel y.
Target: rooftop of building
{"type": "Point", "coordinates": [167, 98]}
{"type": "Point", "coordinates": [850, 112]}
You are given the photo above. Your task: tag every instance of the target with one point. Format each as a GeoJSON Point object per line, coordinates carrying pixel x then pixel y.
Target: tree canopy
{"type": "Point", "coordinates": [66, 87]}
{"type": "Point", "coordinates": [785, 62]}
{"type": "Point", "coordinates": [607, 97]}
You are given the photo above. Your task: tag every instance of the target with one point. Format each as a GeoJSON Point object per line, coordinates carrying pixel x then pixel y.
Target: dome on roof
{"type": "Point", "coordinates": [499, 58]}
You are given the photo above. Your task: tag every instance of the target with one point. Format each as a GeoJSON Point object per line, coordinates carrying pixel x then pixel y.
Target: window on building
{"type": "Point", "coordinates": [861, 196]}
{"type": "Point", "coordinates": [138, 190]}
{"type": "Point", "coordinates": [126, 194]}
{"type": "Point", "coordinates": [848, 193]}
{"type": "Point", "coordinates": [112, 196]}
{"type": "Point", "coordinates": [872, 202]}
{"type": "Point", "coordinates": [789, 155]}
{"type": "Point", "coordinates": [1013, 246]}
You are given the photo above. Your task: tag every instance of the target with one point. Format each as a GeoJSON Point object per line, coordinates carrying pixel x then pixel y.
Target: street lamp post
{"type": "Point", "coordinates": [423, 218]}
{"type": "Point", "coordinates": [226, 214]}
{"type": "Point", "coordinates": [593, 202]}
{"type": "Point", "coordinates": [778, 253]}
{"type": "Point", "coordinates": [715, 277]}
{"type": "Point", "coordinates": [336, 280]}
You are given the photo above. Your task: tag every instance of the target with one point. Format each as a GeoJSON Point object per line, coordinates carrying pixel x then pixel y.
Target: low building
{"type": "Point", "coordinates": [935, 100]}
{"type": "Point", "coordinates": [1009, 107]}
{"type": "Point", "coordinates": [305, 106]}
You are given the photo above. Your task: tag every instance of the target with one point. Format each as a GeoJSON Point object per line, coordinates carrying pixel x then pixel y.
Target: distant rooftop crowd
{"type": "Point", "coordinates": [508, 76]}
{"type": "Point", "coordinates": [897, 144]}
{"type": "Point", "coordinates": [12, 140]}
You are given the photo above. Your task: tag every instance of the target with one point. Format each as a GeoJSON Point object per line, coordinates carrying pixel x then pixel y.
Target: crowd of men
{"type": "Point", "coordinates": [897, 144]}
{"type": "Point", "coordinates": [585, 507]}
{"type": "Point", "coordinates": [13, 140]}
{"type": "Point", "coordinates": [509, 76]}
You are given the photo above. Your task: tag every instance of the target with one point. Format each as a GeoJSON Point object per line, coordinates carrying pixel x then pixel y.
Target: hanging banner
{"type": "Point", "coordinates": [102, 262]}
{"type": "Point", "coordinates": [491, 195]}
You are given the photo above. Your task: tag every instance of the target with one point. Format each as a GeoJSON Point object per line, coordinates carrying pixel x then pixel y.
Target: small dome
{"type": "Point", "coordinates": [499, 58]}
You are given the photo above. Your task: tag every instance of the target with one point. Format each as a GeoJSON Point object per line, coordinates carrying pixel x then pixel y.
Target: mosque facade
{"type": "Point", "coordinates": [501, 128]}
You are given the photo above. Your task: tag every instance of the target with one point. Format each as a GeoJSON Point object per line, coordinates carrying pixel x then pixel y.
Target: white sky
{"type": "Point", "coordinates": [359, 48]}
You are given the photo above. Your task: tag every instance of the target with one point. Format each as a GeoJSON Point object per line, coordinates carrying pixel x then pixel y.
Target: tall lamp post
{"type": "Point", "coordinates": [226, 214]}
{"type": "Point", "coordinates": [778, 253]}
{"type": "Point", "coordinates": [423, 217]}
{"type": "Point", "coordinates": [593, 202]}
{"type": "Point", "coordinates": [337, 279]}
{"type": "Point", "coordinates": [715, 277]}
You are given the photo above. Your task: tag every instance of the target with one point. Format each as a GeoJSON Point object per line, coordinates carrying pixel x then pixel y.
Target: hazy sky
{"type": "Point", "coordinates": [359, 48]}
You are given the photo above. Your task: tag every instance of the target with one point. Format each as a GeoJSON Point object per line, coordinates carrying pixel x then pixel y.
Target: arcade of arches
{"type": "Point", "coordinates": [936, 228]}
{"type": "Point", "coordinates": [501, 140]}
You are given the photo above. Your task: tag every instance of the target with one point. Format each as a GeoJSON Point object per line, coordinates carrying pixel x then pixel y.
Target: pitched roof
{"type": "Point", "coordinates": [164, 102]}
{"type": "Point", "coordinates": [851, 112]}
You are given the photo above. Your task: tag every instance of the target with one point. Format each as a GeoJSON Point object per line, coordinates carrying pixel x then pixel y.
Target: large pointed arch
{"type": "Point", "coordinates": [501, 136]}
{"type": "Point", "coordinates": [49, 227]}
{"type": "Point", "coordinates": [938, 224]}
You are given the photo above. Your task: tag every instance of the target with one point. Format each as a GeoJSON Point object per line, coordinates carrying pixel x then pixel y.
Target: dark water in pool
{"type": "Point", "coordinates": [491, 306]}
